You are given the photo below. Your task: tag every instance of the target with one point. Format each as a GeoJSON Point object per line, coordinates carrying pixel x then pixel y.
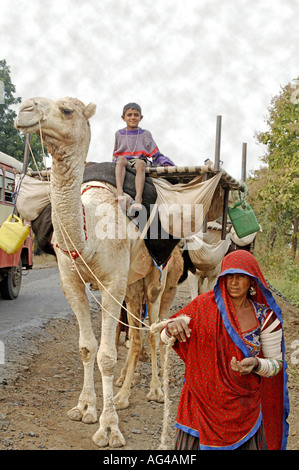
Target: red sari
{"type": "Point", "coordinates": [220, 406]}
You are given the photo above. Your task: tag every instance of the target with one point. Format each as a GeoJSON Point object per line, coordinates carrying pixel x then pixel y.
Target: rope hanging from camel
{"type": "Point", "coordinates": [63, 229]}
{"type": "Point", "coordinates": [153, 329]}
{"type": "Point", "coordinates": [166, 379]}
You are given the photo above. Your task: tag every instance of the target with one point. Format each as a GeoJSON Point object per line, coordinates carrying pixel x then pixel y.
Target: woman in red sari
{"type": "Point", "coordinates": [231, 340]}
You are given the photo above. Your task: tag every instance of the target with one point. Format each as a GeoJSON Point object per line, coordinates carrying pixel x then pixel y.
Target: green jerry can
{"type": "Point", "coordinates": [243, 219]}
{"type": "Point", "coordinates": [13, 233]}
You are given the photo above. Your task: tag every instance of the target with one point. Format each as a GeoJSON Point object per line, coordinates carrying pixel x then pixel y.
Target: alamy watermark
{"type": "Point", "coordinates": [2, 353]}
{"type": "Point", "coordinates": [1, 92]}
{"type": "Point", "coordinates": [158, 223]}
{"type": "Point", "coordinates": [295, 94]}
{"type": "Point", "coordinates": [295, 354]}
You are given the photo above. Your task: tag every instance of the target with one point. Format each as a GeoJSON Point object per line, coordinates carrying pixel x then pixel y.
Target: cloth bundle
{"type": "Point", "coordinates": [184, 206]}
{"type": "Point", "coordinates": [33, 196]}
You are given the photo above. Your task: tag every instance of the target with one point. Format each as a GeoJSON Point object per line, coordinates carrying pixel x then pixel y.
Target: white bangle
{"type": "Point", "coordinates": [267, 367]}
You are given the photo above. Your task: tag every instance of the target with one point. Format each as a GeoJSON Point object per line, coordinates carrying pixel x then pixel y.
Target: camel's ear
{"type": "Point", "coordinates": [90, 110]}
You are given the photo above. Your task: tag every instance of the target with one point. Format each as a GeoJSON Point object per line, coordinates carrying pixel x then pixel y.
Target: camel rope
{"type": "Point", "coordinates": [154, 328]}
{"type": "Point", "coordinates": [166, 379]}
{"type": "Point", "coordinates": [63, 229]}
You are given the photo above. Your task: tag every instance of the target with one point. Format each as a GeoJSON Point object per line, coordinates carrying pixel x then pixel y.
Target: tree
{"type": "Point", "coordinates": [276, 225]}
{"type": "Point", "coordinates": [279, 194]}
{"type": "Point", "coordinates": [12, 142]}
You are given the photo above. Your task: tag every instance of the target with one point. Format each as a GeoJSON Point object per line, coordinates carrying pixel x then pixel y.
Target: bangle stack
{"type": "Point", "coordinates": [267, 367]}
{"type": "Point", "coordinates": [167, 332]}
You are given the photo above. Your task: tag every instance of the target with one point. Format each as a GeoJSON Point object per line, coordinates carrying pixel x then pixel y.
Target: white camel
{"type": "Point", "coordinates": [121, 267]}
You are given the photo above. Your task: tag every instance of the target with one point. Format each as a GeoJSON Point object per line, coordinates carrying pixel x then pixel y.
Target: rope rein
{"type": "Point", "coordinates": [167, 401]}
{"type": "Point", "coordinates": [63, 230]}
{"type": "Point", "coordinates": [154, 328]}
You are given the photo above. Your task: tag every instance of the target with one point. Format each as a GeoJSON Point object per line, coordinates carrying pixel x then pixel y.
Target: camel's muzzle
{"type": "Point", "coordinates": [29, 117]}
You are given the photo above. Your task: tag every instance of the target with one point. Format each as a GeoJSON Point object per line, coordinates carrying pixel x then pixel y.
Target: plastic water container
{"type": "Point", "coordinates": [13, 233]}
{"type": "Point", "coordinates": [243, 219]}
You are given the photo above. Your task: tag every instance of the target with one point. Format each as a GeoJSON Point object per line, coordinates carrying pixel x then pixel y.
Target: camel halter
{"type": "Point", "coordinates": [154, 328]}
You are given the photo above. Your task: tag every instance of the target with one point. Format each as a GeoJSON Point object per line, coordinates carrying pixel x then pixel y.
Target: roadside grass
{"type": "Point", "coordinates": [278, 267]}
{"type": "Point", "coordinates": [43, 259]}
{"type": "Point", "coordinates": [280, 270]}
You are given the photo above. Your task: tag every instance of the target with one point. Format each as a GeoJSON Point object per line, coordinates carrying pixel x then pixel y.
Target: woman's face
{"type": "Point", "coordinates": [237, 285]}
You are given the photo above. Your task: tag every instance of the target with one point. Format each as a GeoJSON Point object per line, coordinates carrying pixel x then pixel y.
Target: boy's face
{"type": "Point", "coordinates": [132, 118]}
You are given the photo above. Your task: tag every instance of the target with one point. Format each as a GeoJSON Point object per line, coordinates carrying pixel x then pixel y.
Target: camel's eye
{"type": "Point", "coordinates": [67, 111]}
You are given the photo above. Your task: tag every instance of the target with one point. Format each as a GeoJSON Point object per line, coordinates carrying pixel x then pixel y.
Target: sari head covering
{"type": "Point", "coordinates": [230, 406]}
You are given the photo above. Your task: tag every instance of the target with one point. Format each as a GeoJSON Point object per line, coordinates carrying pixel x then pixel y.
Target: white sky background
{"type": "Point", "coordinates": [184, 62]}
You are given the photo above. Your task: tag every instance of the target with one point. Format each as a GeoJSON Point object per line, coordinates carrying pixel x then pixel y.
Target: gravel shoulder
{"type": "Point", "coordinates": [43, 379]}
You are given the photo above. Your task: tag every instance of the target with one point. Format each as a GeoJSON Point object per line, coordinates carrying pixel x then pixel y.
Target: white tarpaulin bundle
{"type": "Point", "coordinates": [33, 196]}
{"type": "Point", "coordinates": [206, 254]}
{"type": "Point", "coordinates": [242, 241]}
{"type": "Point", "coordinates": [184, 206]}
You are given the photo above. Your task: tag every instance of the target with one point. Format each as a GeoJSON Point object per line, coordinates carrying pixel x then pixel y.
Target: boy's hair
{"type": "Point", "coordinates": [132, 106]}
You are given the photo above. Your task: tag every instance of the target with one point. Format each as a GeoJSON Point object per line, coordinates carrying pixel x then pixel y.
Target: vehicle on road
{"type": "Point", "coordinates": [11, 265]}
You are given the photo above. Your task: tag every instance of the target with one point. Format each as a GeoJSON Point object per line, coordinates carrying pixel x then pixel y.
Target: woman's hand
{"type": "Point", "coordinates": [245, 366]}
{"type": "Point", "coordinates": [178, 328]}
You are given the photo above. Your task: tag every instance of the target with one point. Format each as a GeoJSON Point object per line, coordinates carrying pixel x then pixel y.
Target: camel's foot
{"type": "Point", "coordinates": [121, 400]}
{"type": "Point", "coordinates": [156, 394]}
{"type": "Point", "coordinates": [102, 438]}
{"type": "Point", "coordinates": [120, 381]}
{"type": "Point", "coordinates": [87, 416]}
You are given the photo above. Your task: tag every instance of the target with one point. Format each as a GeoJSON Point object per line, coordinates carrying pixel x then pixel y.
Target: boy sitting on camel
{"type": "Point", "coordinates": [135, 147]}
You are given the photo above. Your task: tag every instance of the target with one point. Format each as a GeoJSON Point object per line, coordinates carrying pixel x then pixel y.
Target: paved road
{"type": "Point", "coordinates": [22, 320]}
{"type": "Point", "coordinates": [40, 299]}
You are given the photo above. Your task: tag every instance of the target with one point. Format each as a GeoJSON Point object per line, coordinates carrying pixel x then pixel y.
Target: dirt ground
{"type": "Point", "coordinates": [46, 384]}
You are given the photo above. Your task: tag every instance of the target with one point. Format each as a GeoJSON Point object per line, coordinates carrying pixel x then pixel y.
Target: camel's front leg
{"type": "Point", "coordinates": [167, 298]}
{"type": "Point", "coordinates": [212, 276]}
{"type": "Point", "coordinates": [108, 432]}
{"type": "Point", "coordinates": [74, 291]}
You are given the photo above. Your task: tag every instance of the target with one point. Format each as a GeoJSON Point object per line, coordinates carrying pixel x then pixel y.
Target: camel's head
{"type": "Point", "coordinates": [63, 123]}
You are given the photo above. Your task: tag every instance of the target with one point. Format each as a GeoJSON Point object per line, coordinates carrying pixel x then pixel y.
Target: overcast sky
{"type": "Point", "coordinates": [183, 61]}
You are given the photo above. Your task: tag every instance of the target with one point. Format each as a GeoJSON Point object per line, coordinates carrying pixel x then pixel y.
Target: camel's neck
{"type": "Point", "coordinates": [67, 210]}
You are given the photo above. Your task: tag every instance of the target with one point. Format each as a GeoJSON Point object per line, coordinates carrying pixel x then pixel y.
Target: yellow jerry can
{"type": "Point", "coordinates": [13, 233]}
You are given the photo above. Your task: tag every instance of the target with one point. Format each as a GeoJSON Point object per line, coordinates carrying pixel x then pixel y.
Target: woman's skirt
{"type": "Point", "coordinates": [185, 441]}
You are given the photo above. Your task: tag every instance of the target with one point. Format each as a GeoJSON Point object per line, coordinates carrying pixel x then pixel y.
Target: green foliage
{"type": "Point", "coordinates": [274, 195]}
{"type": "Point", "coordinates": [12, 142]}
{"type": "Point", "coordinates": [277, 196]}
{"type": "Point", "coordinates": [282, 156]}
{"type": "Point", "coordinates": [279, 268]}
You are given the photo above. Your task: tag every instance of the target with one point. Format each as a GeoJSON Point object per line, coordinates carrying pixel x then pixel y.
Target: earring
{"type": "Point", "coordinates": [252, 290]}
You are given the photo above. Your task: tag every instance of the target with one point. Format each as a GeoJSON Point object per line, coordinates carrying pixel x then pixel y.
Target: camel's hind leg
{"type": "Point", "coordinates": [153, 283]}
{"type": "Point", "coordinates": [134, 297]}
